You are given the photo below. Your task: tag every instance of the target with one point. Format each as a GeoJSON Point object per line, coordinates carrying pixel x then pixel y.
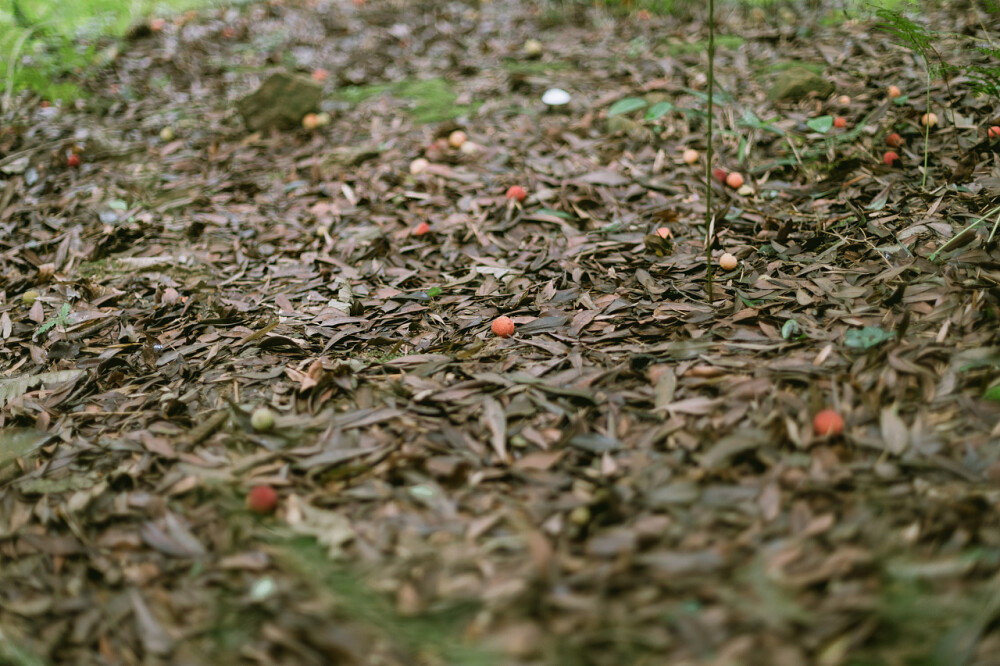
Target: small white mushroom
{"type": "Point", "coordinates": [555, 97]}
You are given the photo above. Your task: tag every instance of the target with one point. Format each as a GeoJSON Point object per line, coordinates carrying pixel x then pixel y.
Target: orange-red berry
{"type": "Point", "coordinates": [890, 158]}
{"type": "Point", "coordinates": [828, 423]}
{"type": "Point", "coordinates": [503, 327]}
{"type": "Point", "coordinates": [262, 499]}
{"type": "Point", "coordinates": [517, 193]}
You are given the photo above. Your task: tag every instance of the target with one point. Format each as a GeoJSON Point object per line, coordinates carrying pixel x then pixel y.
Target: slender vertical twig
{"type": "Point", "coordinates": [709, 218]}
{"type": "Point", "coordinates": [927, 125]}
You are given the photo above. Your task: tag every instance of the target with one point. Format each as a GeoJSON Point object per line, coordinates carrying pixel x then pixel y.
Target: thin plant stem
{"type": "Point", "coordinates": [927, 125]}
{"type": "Point", "coordinates": [709, 219]}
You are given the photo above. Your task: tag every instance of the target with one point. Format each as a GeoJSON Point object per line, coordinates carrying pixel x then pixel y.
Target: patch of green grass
{"type": "Point", "coordinates": [46, 45]}
{"type": "Point", "coordinates": [432, 100]}
{"type": "Point", "coordinates": [433, 637]}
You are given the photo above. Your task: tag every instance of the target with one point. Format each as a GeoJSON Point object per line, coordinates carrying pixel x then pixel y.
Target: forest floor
{"type": "Point", "coordinates": [633, 477]}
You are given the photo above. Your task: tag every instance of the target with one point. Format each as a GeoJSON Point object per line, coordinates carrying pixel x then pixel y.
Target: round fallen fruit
{"type": "Point", "coordinates": [890, 158]}
{"type": "Point", "coordinates": [894, 92]}
{"type": "Point", "coordinates": [323, 118]}
{"type": "Point", "coordinates": [421, 229]}
{"type": "Point", "coordinates": [310, 121]}
{"type": "Point", "coordinates": [719, 174]}
{"type": "Point", "coordinates": [894, 140]}
{"type": "Point", "coordinates": [828, 423]}
{"type": "Point", "coordinates": [734, 180]}
{"type": "Point", "coordinates": [690, 156]}
{"type": "Point", "coordinates": [157, 24]}
{"type": "Point", "coordinates": [73, 160]}
{"type": "Point", "coordinates": [994, 132]}
{"type": "Point", "coordinates": [469, 148]}
{"type": "Point", "coordinates": [262, 499]}
{"type": "Point", "coordinates": [533, 48]}
{"type": "Point", "coordinates": [262, 419]}
{"type": "Point", "coordinates": [929, 119]}
{"type": "Point", "coordinates": [419, 165]}
{"type": "Point", "coordinates": [166, 134]}
{"type": "Point", "coordinates": [517, 193]}
{"type": "Point", "coordinates": [503, 327]}
{"type": "Point", "coordinates": [319, 74]}
{"type": "Point", "coordinates": [843, 100]}
{"type": "Point", "coordinates": [663, 232]}
{"type": "Point", "coordinates": [29, 297]}
{"type": "Point", "coordinates": [728, 262]}
{"type": "Point", "coordinates": [840, 122]}
{"type": "Point", "coordinates": [457, 139]}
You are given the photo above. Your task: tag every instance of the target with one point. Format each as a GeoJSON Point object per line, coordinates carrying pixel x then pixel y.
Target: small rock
{"type": "Point", "coordinates": [280, 102]}
{"type": "Point", "coordinates": [796, 83]}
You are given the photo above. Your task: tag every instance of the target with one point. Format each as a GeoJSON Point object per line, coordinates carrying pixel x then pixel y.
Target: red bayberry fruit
{"type": "Point", "coordinates": [421, 229]}
{"type": "Point", "coordinates": [890, 158]}
{"type": "Point", "coordinates": [517, 193]}
{"type": "Point", "coordinates": [262, 499]}
{"type": "Point", "coordinates": [828, 423]}
{"type": "Point", "coordinates": [503, 327]}
{"type": "Point", "coordinates": [840, 122]}
{"type": "Point", "coordinates": [894, 140]}
{"type": "Point", "coordinates": [994, 132]}
{"type": "Point", "coordinates": [73, 160]}
{"type": "Point", "coordinates": [719, 174]}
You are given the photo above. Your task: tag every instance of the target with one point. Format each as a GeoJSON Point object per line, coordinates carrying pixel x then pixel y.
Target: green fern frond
{"type": "Point", "coordinates": [907, 32]}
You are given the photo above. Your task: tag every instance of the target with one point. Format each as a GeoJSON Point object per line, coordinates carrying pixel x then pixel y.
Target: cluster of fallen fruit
{"type": "Point", "coordinates": [263, 499]}
{"type": "Point", "coordinates": [828, 423]}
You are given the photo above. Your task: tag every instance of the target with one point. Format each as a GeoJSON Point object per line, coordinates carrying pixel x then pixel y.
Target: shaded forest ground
{"type": "Point", "coordinates": [632, 477]}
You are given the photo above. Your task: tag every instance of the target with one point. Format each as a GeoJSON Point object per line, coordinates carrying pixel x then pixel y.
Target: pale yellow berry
{"type": "Point", "coordinates": [262, 419]}
{"type": "Point", "coordinates": [419, 165]}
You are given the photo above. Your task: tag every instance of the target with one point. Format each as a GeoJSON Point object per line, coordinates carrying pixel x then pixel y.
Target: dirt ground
{"type": "Point", "coordinates": [632, 477]}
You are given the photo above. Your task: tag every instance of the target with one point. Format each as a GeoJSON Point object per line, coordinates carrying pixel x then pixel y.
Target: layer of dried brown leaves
{"type": "Point", "coordinates": [631, 478]}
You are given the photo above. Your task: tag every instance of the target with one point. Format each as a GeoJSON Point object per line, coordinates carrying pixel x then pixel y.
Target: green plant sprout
{"type": "Point", "coordinates": [61, 319]}
{"type": "Point", "coordinates": [963, 235]}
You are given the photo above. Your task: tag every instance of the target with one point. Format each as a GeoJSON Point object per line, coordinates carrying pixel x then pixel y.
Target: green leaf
{"type": "Point", "coordinates": [901, 100]}
{"type": "Point", "coordinates": [19, 442]}
{"type": "Point", "coordinates": [657, 111]}
{"type": "Point", "coordinates": [434, 291]}
{"type": "Point", "coordinates": [791, 329]}
{"type": "Point", "coordinates": [992, 393]}
{"type": "Point", "coordinates": [554, 213]}
{"type": "Point", "coordinates": [822, 124]}
{"type": "Point", "coordinates": [867, 337]}
{"type": "Point", "coordinates": [627, 105]}
{"type": "Point", "coordinates": [118, 204]}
